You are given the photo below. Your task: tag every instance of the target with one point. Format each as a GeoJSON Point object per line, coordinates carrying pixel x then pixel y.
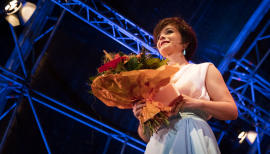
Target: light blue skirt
{"type": "Point", "coordinates": [187, 135]}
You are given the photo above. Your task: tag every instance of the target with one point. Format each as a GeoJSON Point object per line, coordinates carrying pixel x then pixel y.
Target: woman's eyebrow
{"type": "Point", "coordinates": [168, 28]}
{"type": "Point", "coordinates": [165, 30]}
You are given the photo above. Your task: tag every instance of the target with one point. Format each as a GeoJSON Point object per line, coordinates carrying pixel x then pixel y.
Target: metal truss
{"type": "Point", "coordinates": [20, 84]}
{"type": "Point", "coordinates": [252, 23]}
{"type": "Point", "coordinates": [110, 23]}
{"type": "Point", "coordinates": [250, 112]}
{"type": "Point", "coordinates": [131, 36]}
{"type": "Point", "coordinates": [243, 77]}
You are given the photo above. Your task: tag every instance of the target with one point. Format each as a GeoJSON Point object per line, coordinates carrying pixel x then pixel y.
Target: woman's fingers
{"type": "Point", "coordinates": [176, 102]}
{"type": "Point", "coordinates": [183, 107]}
{"type": "Point", "coordinates": [141, 102]}
{"type": "Point", "coordinates": [137, 107]}
{"type": "Point", "coordinates": [134, 102]}
{"type": "Point", "coordinates": [176, 110]}
{"type": "Point", "coordinates": [179, 105]}
{"type": "Point", "coordinates": [138, 113]}
{"type": "Point", "coordinates": [174, 106]}
{"type": "Point", "coordinates": [177, 99]}
{"type": "Point", "coordinates": [140, 106]}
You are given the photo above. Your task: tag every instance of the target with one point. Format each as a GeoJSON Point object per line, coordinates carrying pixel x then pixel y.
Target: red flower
{"type": "Point", "coordinates": [111, 65]}
{"type": "Point", "coordinates": [117, 56]}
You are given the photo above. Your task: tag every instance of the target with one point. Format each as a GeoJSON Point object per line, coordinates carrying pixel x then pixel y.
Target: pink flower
{"type": "Point", "coordinates": [139, 55]}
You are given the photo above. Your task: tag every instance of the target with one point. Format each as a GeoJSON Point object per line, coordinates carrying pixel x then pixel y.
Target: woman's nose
{"type": "Point", "coordinates": [161, 37]}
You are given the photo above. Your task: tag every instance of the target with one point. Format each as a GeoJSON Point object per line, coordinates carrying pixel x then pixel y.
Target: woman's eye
{"type": "Point", "coordinates": [158, 37]}
{"type": "Point", "coordinates": [169, 31]}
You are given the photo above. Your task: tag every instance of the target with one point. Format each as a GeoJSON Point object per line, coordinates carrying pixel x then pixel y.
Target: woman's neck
{"type": "Point", "coordinates": [178, 58]}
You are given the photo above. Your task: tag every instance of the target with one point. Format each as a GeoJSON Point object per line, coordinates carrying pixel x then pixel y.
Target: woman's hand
{"type": "Point", "coordinates": [137, 108]}
{"type": "Point", "coordinates": [183, 101]}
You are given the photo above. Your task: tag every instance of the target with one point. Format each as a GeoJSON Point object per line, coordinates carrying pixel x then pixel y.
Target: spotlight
{"type": "Point", "coordinates": [13, 7]}
{"type": "Point", "coordinates": [18, 11]}
{"type": "Point", "coordinates": [249, 136]}
{"type": "Point", "coordinates": [242, 136]}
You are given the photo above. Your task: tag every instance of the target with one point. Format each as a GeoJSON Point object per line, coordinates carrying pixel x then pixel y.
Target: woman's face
{"type": "Point", "coordinates": [170, 41]}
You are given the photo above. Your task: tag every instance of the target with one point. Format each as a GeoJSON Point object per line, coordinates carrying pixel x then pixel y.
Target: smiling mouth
{"type": "Point", "coordinates": [164, 42]}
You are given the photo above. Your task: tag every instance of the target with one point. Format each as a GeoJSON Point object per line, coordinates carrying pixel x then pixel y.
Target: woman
{"type": "Point", "coordinates": [204, 95]}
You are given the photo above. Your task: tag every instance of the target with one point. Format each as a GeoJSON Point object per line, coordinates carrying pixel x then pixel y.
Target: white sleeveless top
{"type": "Point", "coordinates": [190, 80]}
{"type": "Point", "coordinates": [188, 132]}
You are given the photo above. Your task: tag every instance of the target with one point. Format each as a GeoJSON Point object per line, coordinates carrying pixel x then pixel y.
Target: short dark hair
{"type": "Point", "coordinates": [186, 31]}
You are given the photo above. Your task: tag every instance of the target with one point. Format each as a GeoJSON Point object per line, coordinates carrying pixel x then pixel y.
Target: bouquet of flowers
{"type": "Point", "coordinates": [124, 79]}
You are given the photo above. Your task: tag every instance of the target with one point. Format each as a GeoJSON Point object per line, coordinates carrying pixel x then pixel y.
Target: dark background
{"type": "Point", "coordinates": [75, 52]}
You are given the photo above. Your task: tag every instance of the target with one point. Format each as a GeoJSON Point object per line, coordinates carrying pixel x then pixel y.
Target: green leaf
{"type": "Point", "coordinates": [151, 61]}
{"type": "Point", "coordinates": [143, 58]}
{"type": "Point", "coordinates": [90, 92]}
{"type": "Point", "coordinates": [92, 78]}
{"type": "Point", "coordinates": [144, 130]}
{"type": "Point", "coordinates": [122, 66]}
{"type": "Point", "coordinates": [154, 66]}
{"type": "Point", "coordinates": [142, 66]}
{"type": "Point", "coordinates": [164, 62]}
{"type": "Point", "coordinates": [118, 68]}
{"type": "Point", "coordinates": [121, 54]}
{"type": "Point", "coordinates": [139, 66]}
{"type": "Point", "coordinates": [132, 64]}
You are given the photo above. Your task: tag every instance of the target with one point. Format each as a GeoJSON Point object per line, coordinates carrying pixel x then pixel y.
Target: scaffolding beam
{"type": "Point", "coordinates": [110, 23]}
{"type": "Point", "coordinates": [131, 36]}
{"type": "Point", "coordinates": [116, 133]}
{"type": "Point", "coordinates": [254, 20]}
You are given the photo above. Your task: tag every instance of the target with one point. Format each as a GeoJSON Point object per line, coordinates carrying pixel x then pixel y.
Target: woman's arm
{"type": "Point", "coordinates": [146, 136]}
{"type": "Point", "coordinates": [221, 106]}
{"type": "Point", "coordinates": [137, 109]}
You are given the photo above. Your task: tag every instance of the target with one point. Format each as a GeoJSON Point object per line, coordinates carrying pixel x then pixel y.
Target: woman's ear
{"type": "Point", "coordinates": [185, 45]}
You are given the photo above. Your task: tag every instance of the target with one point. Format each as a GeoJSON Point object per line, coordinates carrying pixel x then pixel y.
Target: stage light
{"type": "Point", "coordinates": [251, 136]}
{"type": "Point", "coordinates": [13, 20]}
{"type": "Point", "coordinates": [17, 12]}
{"type": "Point", "coordinates": [13, 7]}
{"type": "Point", "coordinates": [242, 136]}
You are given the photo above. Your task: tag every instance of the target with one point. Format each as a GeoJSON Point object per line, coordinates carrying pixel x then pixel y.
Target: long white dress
{"type": "Point", "coordinates": [188, 132]}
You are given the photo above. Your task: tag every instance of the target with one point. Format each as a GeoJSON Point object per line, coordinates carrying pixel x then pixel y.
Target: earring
{"type": "Point", "coordinates": [184, 53]}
